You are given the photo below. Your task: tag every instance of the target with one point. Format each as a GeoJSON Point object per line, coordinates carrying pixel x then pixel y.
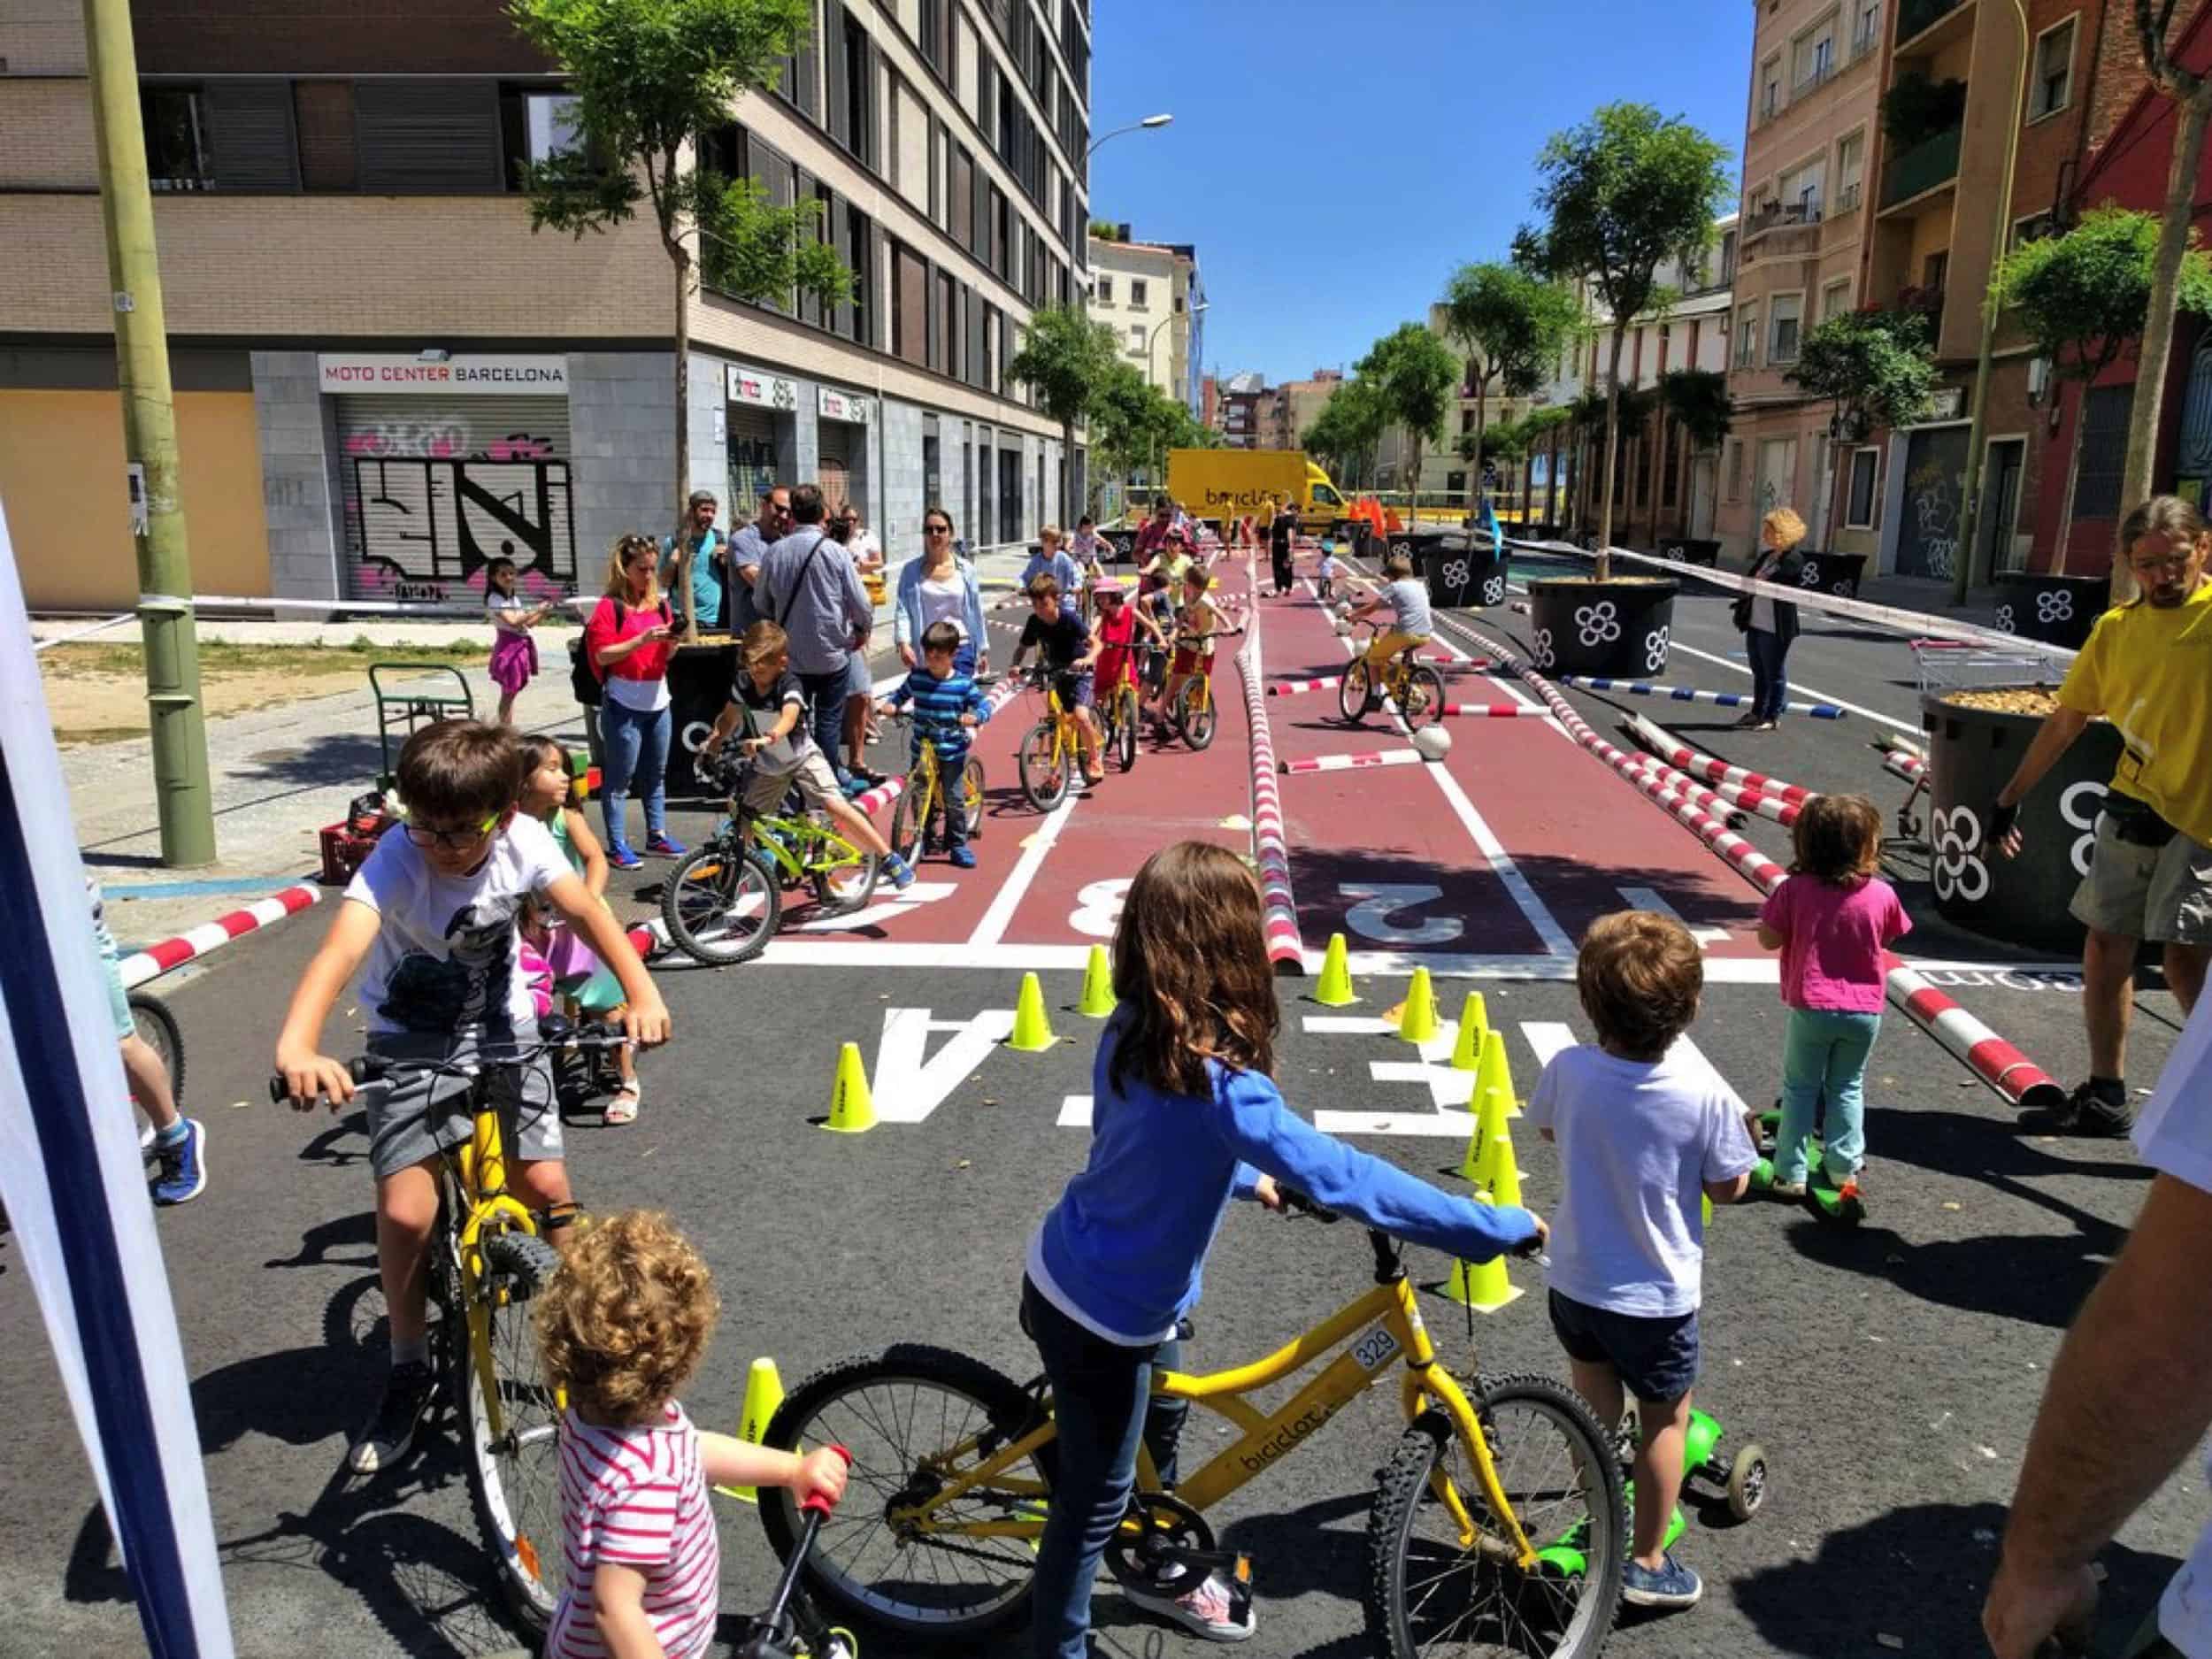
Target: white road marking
{"type": "Point", "coordinates": [893, 902]}
{"type": "Point", "coordinates": [1377, 901]}
{"type": "Point", "coordinates": [1648, 899]}
{"type": "Point", "coordinates": [910, 1082]}
{"type": "Point", "coordinates": [1075, 1112]}
{"type": "Point", "coordinates": [795, 950]}
{"type": "Point", "coordinates": [992, 928]}
{"type": "Point", "coordinates": [1548, 1037]}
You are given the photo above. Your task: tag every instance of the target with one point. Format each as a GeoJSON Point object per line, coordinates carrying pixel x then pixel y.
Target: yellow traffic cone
{"type": "Point", "coordinates": [764, 1393]}
{"type": "Point", "coordinates": [1494, 1104]}
{"type": "Point", "coordinates": [1416, 1019]}
{"type": "Point", "coordinates": [1474, 1019]}
{"type": "Point", "coordinates": [1482, 1285]}
{"type": "Point", "coordinates": [1705, 1209]}
{"type": "Point", "coordinates": [852, 1108]}
{"type": "Point", "coordinates": [1335, 989]}
{"type": "Point", "coordinates": [1098, 985]}
{"type": "Point", "coordinates": [1493, 1076]}
{"type": "Point", "coordinates": [1505, 1172]}
{"type": "Point", "coordinates": [1032, 1031]}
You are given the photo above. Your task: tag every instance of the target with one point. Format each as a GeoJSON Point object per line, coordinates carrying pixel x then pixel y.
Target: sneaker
{"type": "Point", "coordinates": [1673, 1587]}
{"type": "Point", "coordinates": [902, 873]}
{"type": "Point", "coordinates": [622, 858]}
{"type": "Point", "coordinates": [1788, 1192]}
{"type": "Point", "coordinates": [1209, 1608]}
{"type": "Point", "coordinates": [183, 1176]}
{"type": "Point", "coordinates": [1745, 722]}
{"type": "Point", "coordinates": [961, 858]}
{"type": "Point", "coordinates": [666, 846]}
{"type": "Point", "coordinates": [2089, 1110]}
{"type": "Point", "coordinates": [408, 1389]}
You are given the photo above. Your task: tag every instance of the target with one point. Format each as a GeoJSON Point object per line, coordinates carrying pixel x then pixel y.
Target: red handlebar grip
{"type": "Point", "coordinates": [819, 1504]}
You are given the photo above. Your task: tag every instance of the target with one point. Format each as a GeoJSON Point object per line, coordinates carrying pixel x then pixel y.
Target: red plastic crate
{"type": "Point", "coordinates": [344, 848]}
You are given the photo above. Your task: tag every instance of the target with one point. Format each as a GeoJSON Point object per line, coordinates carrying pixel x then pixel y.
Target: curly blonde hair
{"type": "Point", "coordinates": [624, 1323]}
{"type": "Point", "coordinates": [1783, 528]}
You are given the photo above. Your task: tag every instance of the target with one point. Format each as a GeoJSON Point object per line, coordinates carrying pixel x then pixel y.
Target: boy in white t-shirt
{"type": "Point", "coordinates": [433, 912]}
{"type": "Point", "coordinates": [1641, 1138]}
{"type": "Point", "coordinates": [1408, 598]}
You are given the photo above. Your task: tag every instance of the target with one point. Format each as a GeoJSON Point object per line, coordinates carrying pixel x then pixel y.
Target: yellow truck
{"type": "Point", "coordinates": [1226, 484]}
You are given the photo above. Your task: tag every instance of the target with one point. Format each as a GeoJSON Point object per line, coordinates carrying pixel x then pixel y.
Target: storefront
{"type": "Point", "coordinates": [845, 422]}
{"type": "Point", "coordinates": [445, 463]}
{"type": "Point", "coordinates": [761, 422]}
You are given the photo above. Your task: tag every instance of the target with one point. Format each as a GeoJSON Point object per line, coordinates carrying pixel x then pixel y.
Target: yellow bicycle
{"type": "Point", "coordinates": [1498, 1525]}
{"type": "Point", "coordinates": [1052, 749]}
{"type": "Point", "coordinates": [1416, 687]}
{"type": "Point", "coordinates": [925, 797]}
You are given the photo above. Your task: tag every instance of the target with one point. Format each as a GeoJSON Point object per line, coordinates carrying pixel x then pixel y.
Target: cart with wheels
{"type": "Point", "coordinates": [403, 706]}
{"type": "Point", "coordinates": [1955, 665]}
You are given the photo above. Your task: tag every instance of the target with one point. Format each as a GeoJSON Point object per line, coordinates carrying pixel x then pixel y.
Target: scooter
{"type": "Point", "coordinates": [1841, 1206]}
{"type": "Point", "coordinates": [1742, 1479]}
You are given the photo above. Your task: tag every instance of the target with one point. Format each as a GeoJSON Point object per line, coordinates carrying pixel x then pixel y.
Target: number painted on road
{"type": "Point", "coordinates": [1098, 907]}
{"type": "Point", "coordinates": [1377, 901]}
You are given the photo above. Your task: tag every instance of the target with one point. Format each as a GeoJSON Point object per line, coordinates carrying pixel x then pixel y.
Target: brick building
{"type": "Point", "coordinates": [385, 378]}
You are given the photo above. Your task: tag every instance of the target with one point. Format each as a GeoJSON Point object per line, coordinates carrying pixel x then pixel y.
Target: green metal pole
{"type": "Point", "coordinates": [150, 443]}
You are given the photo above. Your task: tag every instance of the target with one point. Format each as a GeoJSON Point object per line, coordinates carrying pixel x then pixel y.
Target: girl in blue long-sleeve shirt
{"type": "Point", "coordinates": [1186, 1115]}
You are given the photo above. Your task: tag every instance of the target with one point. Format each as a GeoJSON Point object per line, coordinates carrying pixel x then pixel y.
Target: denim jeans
{"type": "Point", "coordinates": [1825, 1053]}
{"type": "Point", "coordinates": [826, 706]}
{"type": "Point", "coordinates": [1099, 1394]}
{"type": "Point", "coordinates": [1769, 684]}
{"type": "Point", "coordinates": [636, 746]}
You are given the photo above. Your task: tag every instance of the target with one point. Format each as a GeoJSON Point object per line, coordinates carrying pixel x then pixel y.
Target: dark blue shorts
{"type": "Point", "coordinates": [1655, 1358]}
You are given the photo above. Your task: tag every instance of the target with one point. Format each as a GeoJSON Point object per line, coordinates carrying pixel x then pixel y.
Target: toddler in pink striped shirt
{"type": "Point", "coordinates": [622, 1328]}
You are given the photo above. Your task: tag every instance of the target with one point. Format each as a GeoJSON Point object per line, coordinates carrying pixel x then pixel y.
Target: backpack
{"type": "Point", "coordinates": [585, 679]}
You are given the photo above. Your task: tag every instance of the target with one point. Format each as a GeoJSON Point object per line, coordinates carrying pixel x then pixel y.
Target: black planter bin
{"type": "Point", "coordinates": [2020, 901]}
{"type": "Point", "coordinates": [1682, 550]}
{"type": "Point", "coordinates": [1461, 572]}
{"type": "Point", "coordinates": [2053, 608]}
{"type": "Point", "coordinates": [1617, 630]}
{"type": "Point", "coordinates": [1836, 573]}
{"type": "Point", "coordinates": [699, 679]}
{"type": "Point", "coordinates": [1124, 543]}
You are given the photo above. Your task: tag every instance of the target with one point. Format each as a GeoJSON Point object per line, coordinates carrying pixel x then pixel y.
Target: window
{"type": "Point", "coordinates": [1835, 299]}
{"type": "Point", "coordinates": [1466, 420]}
{"type": "Point", "coordinates": [1935, 270]}
{"type": "Point", "coordinates": [1735, 469]}
{"type": "Point", "coordinates": [1747, 337]}
{"type": "Point", "coordinates": [1727, 257]}
{"type": "Point", "coordinates": [549, 123]}
{"type": "Point", "coordinates": [1784, 312]}
{"type": "Point", "coordinates": [1456, 483]}
{"type": "Point", "coordinates": [322, 113]}
{"type": "Point", "coordinates": [1670, 465]}
{"type": "Point", "coordinates": [1771, 88]}
{"type": "Point", "coordinates": [1801, 187]}
{"type": "Point", "coordinates": [176, 143]}
{"type": "Point", "coordinates": [1850, 172]}
{"type": "Point", "coordinates": [1866, 28]}
{"type": "Point", "coordinates": [2104, 441]}
{"type": "Point", "coordinates": [1105, 289]}
{"type": "Point", "coordinates": [910, 306]}
{"type": "Point", "coordinates": [1816, 57]}
{"type": "Point", "coordinates": [2034, 228]}
{"type": "Point", "coordinates": [964, 194]}
{"type": "Point", "coordinates": [1858, 507]}
{"type": "Point", "coordinates": [1136, 338]}
{"type": "Point", "coordinates": [2054, 71]}
{"type": "Point", "coordinates": [1138, 292]}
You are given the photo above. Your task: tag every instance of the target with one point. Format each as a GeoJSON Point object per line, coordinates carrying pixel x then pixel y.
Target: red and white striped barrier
{"type": "Point", "coordinates": [1780, 809]}
{"type": "Point", "coordinates": [1496, 711]}
{"type": "Point", "coordinates": [1356, 763]}
{"type": "Point", "coordinates": [157, 960]}
{"type": "Point", "coordinates": [1299, 688]}
{"type": "Point", "coordinates": [1676, 753]}
{"type": "Point", "coordinates": [1688, 790]}
{"type": "Point", "coordinates": [1905, 766]}
{"type": "Point", "coordinates": [1989, 1056]}
{"type": "Point", "coordinates": [1270, 846]}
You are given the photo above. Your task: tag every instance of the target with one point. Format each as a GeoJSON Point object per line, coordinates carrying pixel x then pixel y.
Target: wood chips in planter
{"type": "Point", "coordinates": [2034, 701]}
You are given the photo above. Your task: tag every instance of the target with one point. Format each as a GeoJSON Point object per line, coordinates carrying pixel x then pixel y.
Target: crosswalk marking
{"type": "Point", "coordinates": [1648, 899]}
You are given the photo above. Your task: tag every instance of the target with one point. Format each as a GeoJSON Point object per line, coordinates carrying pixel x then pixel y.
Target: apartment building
{"type": "Point", "coordinates": [385, 379]}
{"type": "Point", "coordinates": [1809, 135]}
{"type": "Point", "coordinates": [1297, 405]}
{"type": "Point", "coordinates": [1151, 296]}
{"type": "Point", "coordinates": [1243, 399]}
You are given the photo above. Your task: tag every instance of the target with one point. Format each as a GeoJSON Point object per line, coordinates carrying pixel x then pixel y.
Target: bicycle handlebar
{"type": "Point", "coordinates": [817, 1505]}
{"type": "Point", "coordinates": [555, 1031]}
{"type": "Point", "coordinates": [1387, 1248]}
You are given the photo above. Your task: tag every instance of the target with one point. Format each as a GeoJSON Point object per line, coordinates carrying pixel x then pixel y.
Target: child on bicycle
{"type": "Point", "coordinates": [1641, 1138]}
{"type": "Point", "coordinates": [1408, 597]}
{"type": "Point", "coordinates": [1188, 1116]}
{"type": "Point", "coordinates": [1156, 603]}
{"type": "Point", "coordinates": [1198, 623]}
{"type": "Point", "coordinates": [622, 1328]}
{"type": "Point", "coordinates": [768, 697]}
{"type": "Point", "coordinates": [1120, 626]}
{"type": "Point", "coordinates": [948, 705]}
{"type": "Point", "coordinates": [1328, 572]}
{"type": "Point", "coordinates": [433, 911]}
{"type": "Point", "coordinates": [1064, 645]}
{"type": "Point", "coordinates": [178, 1143]}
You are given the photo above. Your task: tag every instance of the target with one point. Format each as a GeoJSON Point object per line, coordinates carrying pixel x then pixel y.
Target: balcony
{"type": "Point", "coordinates": [1775, 215]}
{"type": "Point", "coordinates": [1911, 172]}
{"type": "Point", "coordinates": [1818, 75]}
{"type": "Point", "coordinates": [1915, 16]}
{"type": "Point", "coordinates": [1848, 197]}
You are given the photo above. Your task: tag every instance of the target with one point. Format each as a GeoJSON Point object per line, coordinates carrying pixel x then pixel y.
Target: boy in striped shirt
{"type": "Point", "coordinates": [622, 1327]}
{"type": "Point", "coordinates": [948, 704]}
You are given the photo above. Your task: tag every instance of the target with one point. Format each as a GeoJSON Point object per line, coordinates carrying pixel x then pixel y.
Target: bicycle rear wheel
{"type": "Point", "coordinates": [1428, 1598]}
{"type": "Point", "coordinates": [1424, 696]}
{"type": "Point", "coordinates": [157, 1028]}
{"type": "Point", "coordinates": [914, 1418]}
{"type": "Point", "coordinates": [1195, 712]}
{"type": "Point", "coordinates": [513, 1427]}
{"type": "Point", "coordinates": [971, 796]}
{"type": "Point", "coordinates": [1044, 769]}
{"type": "Point", "coordinates": [1352, 691]}
{"type": "Point", "coordinates": [908, 826]}
{"type": "Point", "coordinates": [721, 905]}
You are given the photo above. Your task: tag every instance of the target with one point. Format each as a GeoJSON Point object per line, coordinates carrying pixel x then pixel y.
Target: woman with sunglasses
{"type": "Point", "coordinates": [941, 586]}
{"type": "Point", "coordinates": [630, 639]}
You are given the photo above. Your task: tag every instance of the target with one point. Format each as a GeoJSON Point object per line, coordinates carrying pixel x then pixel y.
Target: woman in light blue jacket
{"type": "Point", "coordinates": [941, 585]}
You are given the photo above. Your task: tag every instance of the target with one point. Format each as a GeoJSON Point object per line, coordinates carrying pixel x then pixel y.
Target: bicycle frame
{"type": "Point", "coordinates": [480, 1168]}
{"type": "Point", "coordinates": [1067, 726]}
{"type": "Point", "coordinates": [1387, 1321]}
{"type": "Point", "coordinates": [835, 852]}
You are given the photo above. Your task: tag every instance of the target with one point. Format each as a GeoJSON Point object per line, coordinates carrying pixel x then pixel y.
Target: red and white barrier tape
{"type": "Point", "coordinates": [1270, 846]}
{"type": "Point", "coordinates": [1355, 762]}
{"type": "Point", "coordinates": [1989, 1056]}
{"type": "Point", "coordinates": [1299, 688]}
{"type": "Point", "coordinates": [157, 960]}
{"type": "Point", "coordinates": [1675, 752]}
{"type": "Point", "coordinates": [1495, 711]}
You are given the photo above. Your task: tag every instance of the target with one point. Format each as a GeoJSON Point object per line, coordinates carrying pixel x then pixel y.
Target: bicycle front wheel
{"type": "Point", "coordinates": [1352, 690]}
{"type": "Point", "coordinates": [848, 884]}
{"type": "Point", "coordinates": [1195, 712]}
{"type": "Point", "coordinates": [971, 796]}
{"type": "Point", "coordinates": [915, 1419]}
{"type": "Point", "coordinates": [157, 1028]}
{"type": "Point", "coordinates": [513, 1424]}
{"type": "Point", "coordinates": [721, 905]}
{"type": "Point", "coordinates": [1044, 767]}
{"type": "Point", "coordinates": [1424, 695]}
{"type": "Point", "coordinates": [1124, 743]}
{"type": "Point", "coordinates": [1429, 1599]}
{"type": "Point", "coordinates": [908, 825]}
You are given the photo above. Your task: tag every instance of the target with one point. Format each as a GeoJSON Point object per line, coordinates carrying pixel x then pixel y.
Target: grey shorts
{"type": "Point", "coordinates": [2157, 893]}
{"type": "Point", "coordinates": [816, 783]}
{"type": "Point", "coordinates": [417, 1114]}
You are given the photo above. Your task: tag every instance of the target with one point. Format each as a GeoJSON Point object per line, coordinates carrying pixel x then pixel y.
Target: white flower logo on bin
{"type": "Point", "coordinates": [1809, 576]}
{"type": "Point", "coordinates": [1493, 590]}
{"type": "Point", "coordinates": [1842, 590]}
{"type": "Point", "coordinates": [2005, 622]}
{"type": "Point", "coordinates": [1455, 574]}
{"type": "Point", "coordinates": [1544, 658]}
{"type": "Point", "coordinates": [2054, 607]}
{"type": "Point", "coordinates": [1959, 871]}
{"type": "Point", "coordinates": [1655, 646]}
{"type": "Point", "coordinates": [1597, 624]}
{"type": "Point", "coordinates": [2079, 807]}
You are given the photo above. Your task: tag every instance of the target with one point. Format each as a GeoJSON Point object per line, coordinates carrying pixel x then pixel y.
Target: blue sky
{"type": "Point", "coordinates": [1334, 164]}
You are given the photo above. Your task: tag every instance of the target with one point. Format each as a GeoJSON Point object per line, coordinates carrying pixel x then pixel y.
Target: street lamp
{"type": "Point", "coordinates": [1152, 341]}
{"type": "Point", "coordinates": [1148, 122]}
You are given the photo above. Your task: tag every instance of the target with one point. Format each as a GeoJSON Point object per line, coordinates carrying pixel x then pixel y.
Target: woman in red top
{"type": "Point", "coordinates": [1118, 626]}
{"type": "Point", "coordinates": [629, 642]}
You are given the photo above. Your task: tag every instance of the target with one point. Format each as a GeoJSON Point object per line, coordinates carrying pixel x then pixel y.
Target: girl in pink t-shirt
{"type": "Point", "coordinates": [1832, 920]}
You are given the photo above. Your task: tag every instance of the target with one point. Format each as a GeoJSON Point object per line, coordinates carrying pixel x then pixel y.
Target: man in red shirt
{"type": "Point", "coordinates": [1152, 537]}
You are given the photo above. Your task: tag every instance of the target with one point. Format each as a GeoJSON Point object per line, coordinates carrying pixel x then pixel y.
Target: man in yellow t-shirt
{"type": "Point", "coordinates": [2148, 669]}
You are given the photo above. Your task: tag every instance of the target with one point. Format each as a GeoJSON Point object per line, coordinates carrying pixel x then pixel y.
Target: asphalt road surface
{"type": "Point", "coordinates": [1891, 1373]}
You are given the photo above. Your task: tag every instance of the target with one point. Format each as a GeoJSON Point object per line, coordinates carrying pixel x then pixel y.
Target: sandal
{"type": "Point", "coordinates": [622, 1108]}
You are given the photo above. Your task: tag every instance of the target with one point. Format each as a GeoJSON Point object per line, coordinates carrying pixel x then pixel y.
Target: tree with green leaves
{"type": "Point", "coordinates": [1698, 401]}
{"type": "Point", "coordinates": [1878, 367]}
{"type": "Point", "coordinates": [2085, 298]}
{"type": "Point", "coordinates": [1348, 430]}
{"type": "Point", "coordinates": [1512, 324]}
{"type": "Point", "coordinates": [652, 79]}
{"type": "Point", "coordinates": [1064, 358]}
{"type": "Point", "coordinates": [1413, 373]}
{"type": "Point", "coordinates": [1625, 194]}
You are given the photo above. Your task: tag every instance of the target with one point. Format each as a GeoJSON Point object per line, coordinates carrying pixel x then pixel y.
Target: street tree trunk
{"type": "Point", "coordinates": [1612, 456]}
{"type": "Point", "coordinates": [2066, 510]}
{"type": "Point", "coordinates": [1413, 496]}
{"type": "Point", "coordinates": [2192, 115]}
{"type": "Point", "coordinates": [1474, 467]}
